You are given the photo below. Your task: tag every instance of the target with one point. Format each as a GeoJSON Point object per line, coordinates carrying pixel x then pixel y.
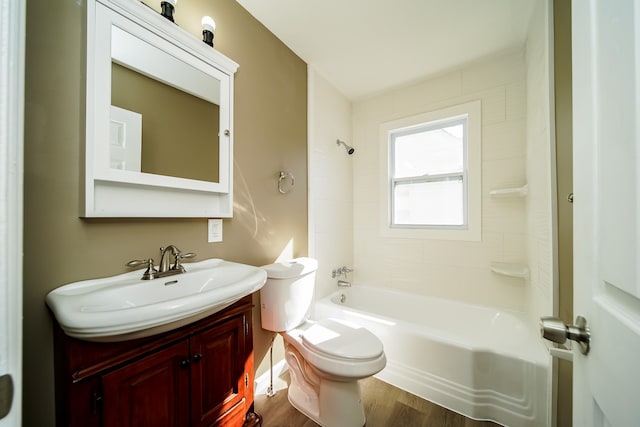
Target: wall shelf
{"type": "Point", "coordinates": [510, 192]}
{"type": "Point", "coordinates": [509, 269]}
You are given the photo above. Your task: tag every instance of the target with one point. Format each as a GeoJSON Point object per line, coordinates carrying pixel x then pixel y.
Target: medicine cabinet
{"type": "Point", "coordinates": [159, 117]}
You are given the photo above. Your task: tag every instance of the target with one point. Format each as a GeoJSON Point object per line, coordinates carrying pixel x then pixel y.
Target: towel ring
{"type": "Point", "coordinates": [285, 182]}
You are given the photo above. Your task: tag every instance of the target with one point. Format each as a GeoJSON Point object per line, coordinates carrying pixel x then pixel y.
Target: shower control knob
{"type": "Point", "coordinates": [554, 329]}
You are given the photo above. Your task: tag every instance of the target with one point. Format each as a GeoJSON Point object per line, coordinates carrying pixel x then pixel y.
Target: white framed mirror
{"type": "Point", "coordinates": [159, 140]}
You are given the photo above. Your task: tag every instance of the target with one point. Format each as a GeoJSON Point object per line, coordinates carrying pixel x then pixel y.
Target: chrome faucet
{"type": "Point", "coordinates": [165, 252]}
{"type": "Point", "coordinates": [165, 268]}
{"type": "Point", "coordinates": [343, 284]}
{"type": "Point", "coordinates": [340, 271]}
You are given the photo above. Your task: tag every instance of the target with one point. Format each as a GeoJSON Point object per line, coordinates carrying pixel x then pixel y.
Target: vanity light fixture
{"type": "Point", "coordinates": [208, 27]}
{"type": "Point", "coordinates": [168, 7]}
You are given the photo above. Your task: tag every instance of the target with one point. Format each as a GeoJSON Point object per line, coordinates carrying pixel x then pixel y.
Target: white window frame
{"type": "Point", "coordinates": [472, 175]}
{"type": "Point", "coordinates": [461, 176]}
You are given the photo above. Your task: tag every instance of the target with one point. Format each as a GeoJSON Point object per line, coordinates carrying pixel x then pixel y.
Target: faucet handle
{"type": "Point", "coordinates": [187, 255]}
{"type": "Point", "coordinates": [179, 257]}
{"type": "Point", "coordinates": [151, 270]}
{"type": "Point", "coordinates": [340, 271]}
{"type": "Point", "coordinates": [137, 262]}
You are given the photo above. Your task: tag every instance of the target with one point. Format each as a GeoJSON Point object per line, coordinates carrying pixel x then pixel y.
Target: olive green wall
{"type": "Point", "coordinates": [59, 247]}
{"type": "Point", "coordinates": [564, 168]}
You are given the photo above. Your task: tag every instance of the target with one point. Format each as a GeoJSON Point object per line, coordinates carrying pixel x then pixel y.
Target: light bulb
{"type": "Point", "coordinates": [208, 24]}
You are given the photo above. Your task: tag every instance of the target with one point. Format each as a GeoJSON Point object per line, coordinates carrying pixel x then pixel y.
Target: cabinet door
{"type": "Point", "coordinates": [217, 372]}
{"type": "Point", "coordinates": [153, 391]}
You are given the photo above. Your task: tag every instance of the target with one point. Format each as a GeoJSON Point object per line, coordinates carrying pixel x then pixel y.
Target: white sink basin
{"type": "Point", "coordinates": [124, 307]}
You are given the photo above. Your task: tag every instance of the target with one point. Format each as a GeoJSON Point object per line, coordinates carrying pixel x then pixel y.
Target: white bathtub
{"type": "Point", "coordinates": [478, 361]}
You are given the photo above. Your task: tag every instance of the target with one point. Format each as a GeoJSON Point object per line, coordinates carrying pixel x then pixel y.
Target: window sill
{"type": "Point", "coordinates": [471, 234]}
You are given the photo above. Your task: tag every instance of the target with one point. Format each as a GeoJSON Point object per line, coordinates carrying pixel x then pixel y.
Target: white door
{"type": "Point", "coordinates": [12, 36]}
{"type": "Point", "coordinates": [125, 139]}
{"type": "Point", "coordinates": [606, 161]}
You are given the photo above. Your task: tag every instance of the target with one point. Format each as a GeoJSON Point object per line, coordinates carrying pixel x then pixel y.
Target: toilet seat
{"type": "Point", "coordinates": [338, 338]}
{"type": "Point", "coordinates": [346, 362]}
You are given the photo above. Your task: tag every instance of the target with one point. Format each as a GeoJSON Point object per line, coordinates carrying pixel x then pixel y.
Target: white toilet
{"type": "Point", "coordinates": [326, 358]}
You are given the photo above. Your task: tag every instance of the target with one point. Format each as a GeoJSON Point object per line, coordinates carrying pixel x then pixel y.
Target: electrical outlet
{"type": "Point", "coordinates": [214, 230]}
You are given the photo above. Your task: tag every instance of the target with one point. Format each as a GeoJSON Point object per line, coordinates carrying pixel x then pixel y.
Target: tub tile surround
{"type": "Point", "coordinates": [502, 173]}
{"type": "Point", "coordinates": [331, 181]}
{"type": "Point", "coordinates": [516, 96]}
{"type": "Point", "coordinates": [503, 141]}
{"type": "Point", "coordinates": [495, 72]}
{"type": "Point", "coordinates": [450, 269]}
{"type": "Point", "coordinates": [540, 245]}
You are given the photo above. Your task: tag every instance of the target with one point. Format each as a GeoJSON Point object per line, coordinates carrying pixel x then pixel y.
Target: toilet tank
{"type": "Point", "coordinates": [286, 297]}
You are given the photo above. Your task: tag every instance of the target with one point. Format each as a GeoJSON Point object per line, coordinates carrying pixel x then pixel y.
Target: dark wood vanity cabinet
{"type": "Point", "coordinates": [218, 376]}
{"type": "Point", "coordinates": [198, 375]}
{"type": "Point", "coordinates": [150, 391]}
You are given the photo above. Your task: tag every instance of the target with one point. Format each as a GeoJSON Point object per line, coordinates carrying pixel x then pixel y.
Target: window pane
{"type": "Point", "coordinates": [429, 152]}
{"type": "Point", "coordinates": [428, 203]}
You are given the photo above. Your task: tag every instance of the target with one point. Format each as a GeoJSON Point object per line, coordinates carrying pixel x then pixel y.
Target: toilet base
{"type": "Point", "coordinates": [340, 405]}
{"type": "Point", "coordinates": [327, 402]}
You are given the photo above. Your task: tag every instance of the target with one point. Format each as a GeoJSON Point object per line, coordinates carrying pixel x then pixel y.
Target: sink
{"type": "Point", "coordinates": [124, 307]}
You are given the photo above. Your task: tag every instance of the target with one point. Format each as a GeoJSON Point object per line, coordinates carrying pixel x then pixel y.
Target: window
{"type": "Point", "coordinates": [432, 184]}
{"type": "Point", "coordinates": [428, 175]}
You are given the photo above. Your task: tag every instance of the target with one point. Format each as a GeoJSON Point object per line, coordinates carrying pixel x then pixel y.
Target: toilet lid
{"type": "Point", "coordinates": [339, 338]}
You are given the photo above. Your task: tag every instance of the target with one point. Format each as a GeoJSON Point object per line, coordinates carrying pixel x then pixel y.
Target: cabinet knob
{"type": "Point", "coordinates": [184, 364]}
{"type": "Point", "coordinates": [197, 357]}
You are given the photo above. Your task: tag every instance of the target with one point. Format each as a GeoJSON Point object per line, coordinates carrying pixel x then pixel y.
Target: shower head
{"type": "Point", "coordinates": [350, 150]}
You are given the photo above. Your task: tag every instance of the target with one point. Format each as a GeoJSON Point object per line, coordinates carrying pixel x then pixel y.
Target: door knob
{"type": "Point", "coordinates": [554, 329]}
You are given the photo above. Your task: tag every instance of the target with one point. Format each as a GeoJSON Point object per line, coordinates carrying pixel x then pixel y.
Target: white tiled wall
{"type": "Point", "coordinates": [540, 171]}
{"type": "Point", "coordinates": [450, 269]}
{"type": "Point", "coordinates": [330, 181]}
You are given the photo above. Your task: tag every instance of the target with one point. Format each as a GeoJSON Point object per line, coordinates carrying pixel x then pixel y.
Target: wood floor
{"type": "Point", "coordinates": [384, 405]}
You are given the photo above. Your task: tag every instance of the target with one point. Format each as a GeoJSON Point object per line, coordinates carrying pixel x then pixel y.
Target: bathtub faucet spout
{"type": "Point", "coordinates": [343, 284]}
